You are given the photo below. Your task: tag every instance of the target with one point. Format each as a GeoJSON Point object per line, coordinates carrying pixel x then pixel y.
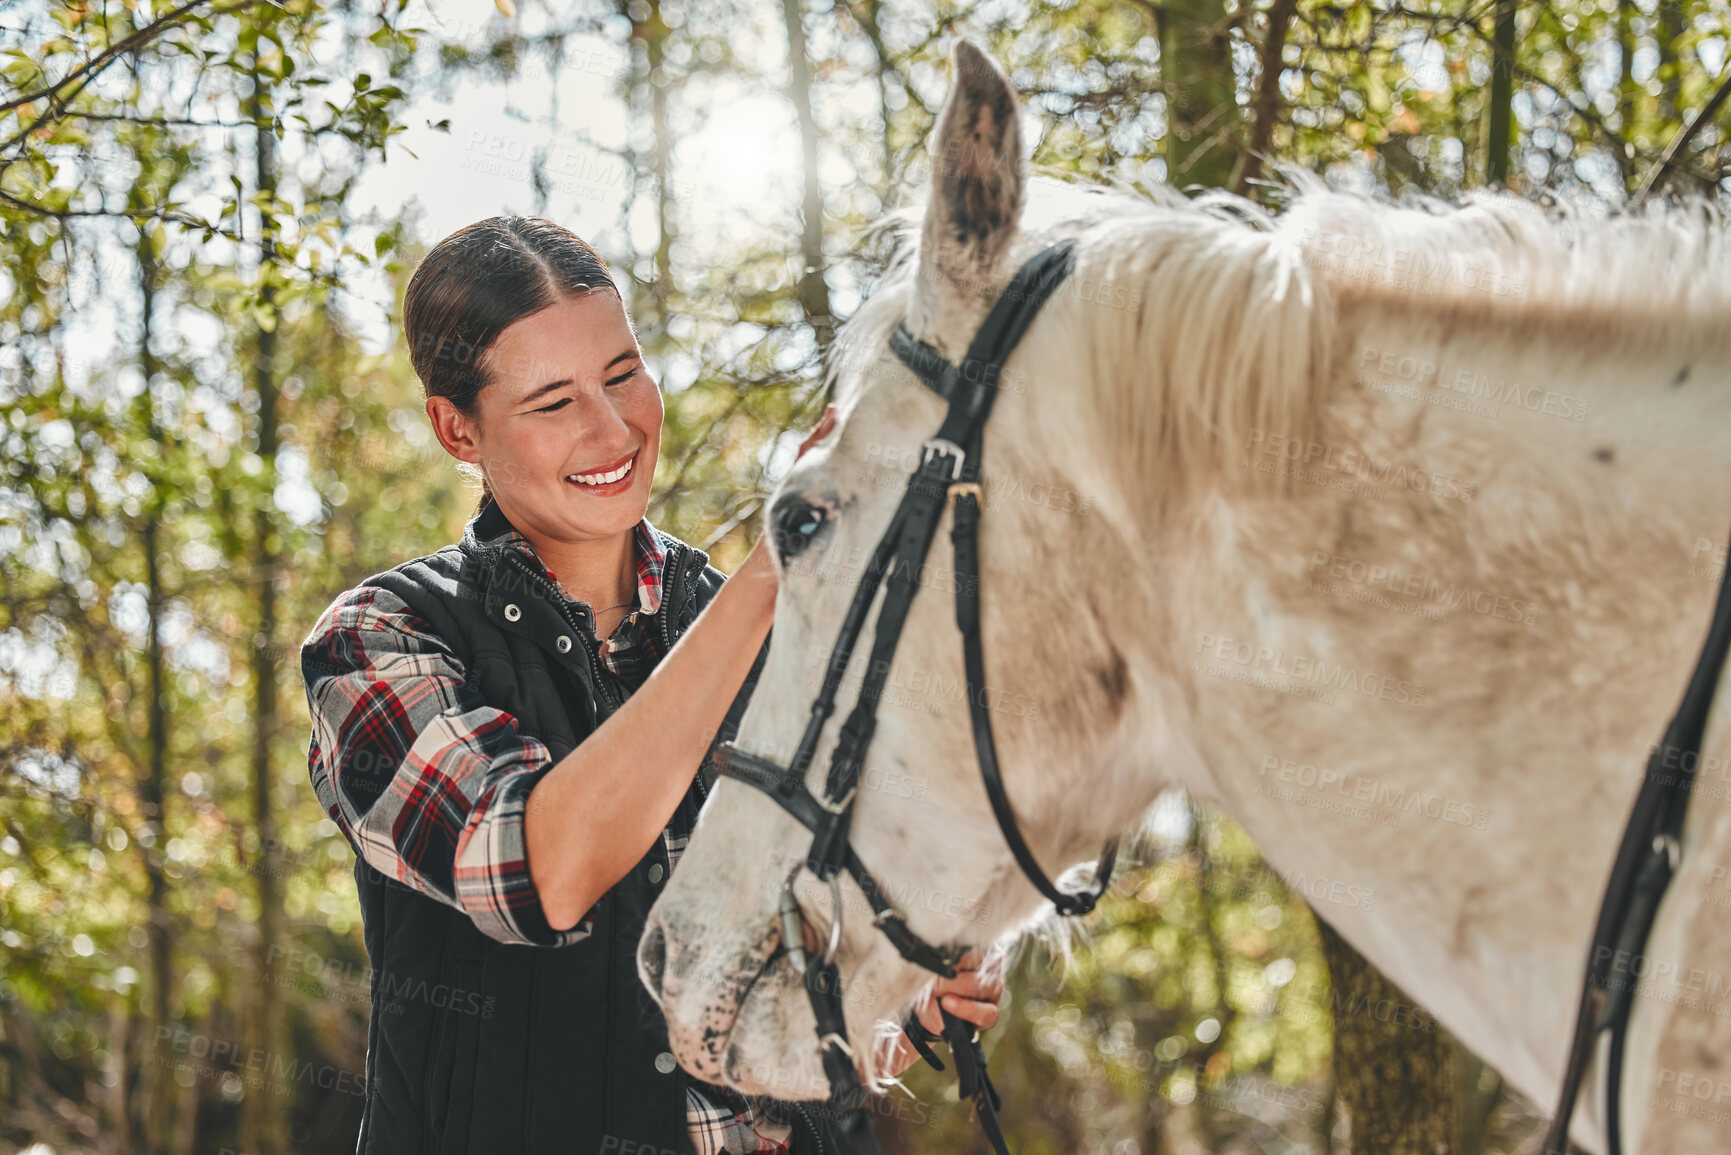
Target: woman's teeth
{"type": "Point", "coordinates": [603, 478]}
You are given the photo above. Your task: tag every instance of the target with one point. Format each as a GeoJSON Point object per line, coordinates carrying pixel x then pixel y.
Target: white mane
{"type": "Point", "coordinates": [1239, 312]}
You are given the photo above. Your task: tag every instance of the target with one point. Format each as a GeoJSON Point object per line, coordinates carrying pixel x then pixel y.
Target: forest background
{"type": "Point", "coordinates": [209, 428]}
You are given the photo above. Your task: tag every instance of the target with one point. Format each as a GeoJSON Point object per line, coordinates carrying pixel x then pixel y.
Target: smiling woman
{"type": "Point", "coordinates": [510, 732]}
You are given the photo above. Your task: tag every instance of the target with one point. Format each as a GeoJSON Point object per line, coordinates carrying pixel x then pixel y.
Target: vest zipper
{"type": "Point", "coordinates": [671, 574]}
{"type": "Point", "coordinates": [677, 579]}
{"type": "Point", "coordinates": [816, 1132]}
{"type": "Point", "coordinates": [679, 572]}
{"type": "Point", "coordinates": [559, 599]}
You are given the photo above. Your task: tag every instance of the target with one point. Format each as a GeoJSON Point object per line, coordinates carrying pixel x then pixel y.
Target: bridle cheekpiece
{"type": "Point", "coordinates": [948, 477]}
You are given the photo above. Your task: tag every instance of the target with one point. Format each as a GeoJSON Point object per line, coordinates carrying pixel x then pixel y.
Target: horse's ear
{"type": "Point", "coordinates": [977, 181]}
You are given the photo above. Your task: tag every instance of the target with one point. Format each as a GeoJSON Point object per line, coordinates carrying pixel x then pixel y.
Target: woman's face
{"type": "Point", "coordinates": [568, 424]}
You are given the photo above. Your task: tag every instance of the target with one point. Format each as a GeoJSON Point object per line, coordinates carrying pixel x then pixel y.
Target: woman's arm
{"type": "Point", "coordinates": [424, 778]}
{"type": "Point", "coordinates": [598, 811]}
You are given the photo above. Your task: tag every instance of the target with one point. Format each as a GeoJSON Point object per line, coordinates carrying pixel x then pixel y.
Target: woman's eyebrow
{"type": "Point", "coordinates": [564, 381]}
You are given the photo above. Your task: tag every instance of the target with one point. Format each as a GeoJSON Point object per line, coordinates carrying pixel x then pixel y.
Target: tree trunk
{"type": "Point", "coordinates": [1394, 1066]}
{"type": "Point", "coordinates": [652, 32]}
{"type": "Point", "coordinates": [264, 1125]}
{"type": "Point", "coordinates": [1671, 25]}
{"type": "Point", "coordinates": [813, 286]}
{"type": "Point", "coordinates": [159, 1129]}
{"type": "Point", "coordinates": [118, 1075]}
{"type": "Point", "coordinates": [1265, 112]}
{"type": "Point", "coordinates": [1499, 130]}
{"type": "Point", "coordinates": [1626, 92]}
{"type": "Point", "coordinates": [1201, 104]}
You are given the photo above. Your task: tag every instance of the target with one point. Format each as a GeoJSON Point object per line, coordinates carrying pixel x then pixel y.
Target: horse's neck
{"type": "Point", "coordinates": [1427, 678]}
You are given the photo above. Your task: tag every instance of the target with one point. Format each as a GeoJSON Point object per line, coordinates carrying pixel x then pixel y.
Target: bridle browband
{"type": "Point", "coordinates": [948, 476]}
{"type": "Point", "coordinates": [1647, 858]}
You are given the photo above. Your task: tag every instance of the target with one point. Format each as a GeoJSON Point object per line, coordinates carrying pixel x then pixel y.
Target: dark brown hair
{"type": "Point", "coordinates": [478, 282]}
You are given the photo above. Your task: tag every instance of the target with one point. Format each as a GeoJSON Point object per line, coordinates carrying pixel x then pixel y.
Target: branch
{"type": "Point", "coordinates": [134, 215]}
{"type": "Point", "coordinates": [97, 63]}
{"type": "Point", "coordinates": [159, 121]}
{"type": "Point", "coordinates": [1681, 141]}
{"type": "Point", "coordinates": [57, 101]}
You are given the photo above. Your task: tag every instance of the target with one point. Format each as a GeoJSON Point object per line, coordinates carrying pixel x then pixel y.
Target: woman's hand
{"type": "Point", "coordinates": [967, 996]}
{"type": "Point", "coordinates": [757, 563]}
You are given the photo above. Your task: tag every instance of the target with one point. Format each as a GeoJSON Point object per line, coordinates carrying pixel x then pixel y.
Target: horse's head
{"type": "Point", "coordinates": [1074, 701]}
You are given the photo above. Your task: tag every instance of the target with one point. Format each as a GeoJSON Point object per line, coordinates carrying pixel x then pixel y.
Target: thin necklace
{"type": "Point", "coordinates": [603, 610]}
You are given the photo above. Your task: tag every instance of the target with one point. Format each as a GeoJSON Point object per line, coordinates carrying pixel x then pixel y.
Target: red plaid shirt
{"type": "Point", "coordinates": [451, 775]}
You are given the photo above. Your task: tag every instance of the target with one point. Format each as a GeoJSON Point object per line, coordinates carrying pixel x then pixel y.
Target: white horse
{"type": "Point", "coordinates": [1394, 532]}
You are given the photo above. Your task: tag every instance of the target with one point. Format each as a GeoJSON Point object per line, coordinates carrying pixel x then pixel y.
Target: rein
{"type": "Point", "coordinates": [948, 477]}
{"type": "Point", "coordinates": [1647, 858]}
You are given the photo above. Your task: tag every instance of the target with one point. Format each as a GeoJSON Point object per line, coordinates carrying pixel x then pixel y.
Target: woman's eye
{"type": "Point", "coordinates": [796, 524]}
{"type": "Point", "coordinates": [623, 377]}
{"type": "Point", "coordinates": [559, 404]}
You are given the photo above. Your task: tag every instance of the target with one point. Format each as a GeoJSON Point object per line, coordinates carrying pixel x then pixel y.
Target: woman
{"type": "Point", "coordinates": [510, 733]}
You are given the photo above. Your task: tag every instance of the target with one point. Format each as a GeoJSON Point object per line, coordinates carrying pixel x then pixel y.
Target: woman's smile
{"type": "Point", "coordinates": [609, 480]}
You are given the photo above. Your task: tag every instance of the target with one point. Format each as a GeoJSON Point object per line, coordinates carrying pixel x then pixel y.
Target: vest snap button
{"type": "Point", "coordinates": [512, 613]}
{"type": "Point", "coordinates": [664, 1062]}
{"type": "Point", "coordinates": [564, 644]}
{"type": "Point", "coordinates": [655, 872]}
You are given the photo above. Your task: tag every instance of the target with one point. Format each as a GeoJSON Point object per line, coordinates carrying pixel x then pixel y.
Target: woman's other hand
{"type": "Point", "coordinates": [970, 996]}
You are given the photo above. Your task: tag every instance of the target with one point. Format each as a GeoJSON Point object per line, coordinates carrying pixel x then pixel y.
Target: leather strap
{"type": "Point", "coordinates": [1648, 856]}
{"type": "Point", "coordinates": [790, 792]}
{"type": "Point", "coordinates": [846, 1096]}
{"type": "Point", "coordinates": [964, 535]}
{"type": "Point", "coordinates": [950, 464]}
{"type": "Point", "coordinates": [972, 1079]}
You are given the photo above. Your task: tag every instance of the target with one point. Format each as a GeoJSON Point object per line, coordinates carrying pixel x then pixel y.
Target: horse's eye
{"type": "Point", "coordinates": [796, 524]}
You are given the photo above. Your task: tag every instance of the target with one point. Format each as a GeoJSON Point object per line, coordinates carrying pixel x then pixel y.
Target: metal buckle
{"type": "Point", "coordinates": [967, 489]}
{"type": "Point", "coordinates": [823, 800]}
{"type": "Point", "coordinates": [949, 449]}
{"type": "Point", "coordinates": [1668, 845]}
{"type": "Point", "coordinates": [792, 936]}
{"type": "Point", "coordinates": [834, 918]}
{"type": "Point", "coordinates": [835, 1040]}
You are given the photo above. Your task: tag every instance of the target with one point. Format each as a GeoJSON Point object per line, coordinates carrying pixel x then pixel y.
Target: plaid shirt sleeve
{"type": "Point", "coordinates": [426, 781]}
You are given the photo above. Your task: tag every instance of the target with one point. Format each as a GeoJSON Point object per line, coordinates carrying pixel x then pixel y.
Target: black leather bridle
{"type": "Point", "coordinates": [1651, 850]}
{"type": "Point", "coordinates": [1647, 858]}
{"type": "Point", "coordinates": [949, 473]}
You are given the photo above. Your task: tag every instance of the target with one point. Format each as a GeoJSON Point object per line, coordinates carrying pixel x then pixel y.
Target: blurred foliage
{"type": "Point", "coordinates": [140, 522]}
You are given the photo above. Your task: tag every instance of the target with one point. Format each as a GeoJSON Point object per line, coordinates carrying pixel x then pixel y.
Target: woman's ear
{"type": "Point", "coordinates": [457, 433]}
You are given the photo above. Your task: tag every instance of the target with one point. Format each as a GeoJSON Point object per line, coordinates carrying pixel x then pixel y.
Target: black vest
{"type": "Point", "coordinates": [478, 1046]}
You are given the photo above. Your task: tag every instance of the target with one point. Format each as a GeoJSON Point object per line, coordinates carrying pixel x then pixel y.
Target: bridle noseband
{"type": "Point", "coordinates": [948, 475]}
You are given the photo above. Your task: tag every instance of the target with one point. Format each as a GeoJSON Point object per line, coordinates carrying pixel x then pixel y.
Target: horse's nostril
{"type": "Point", "coordinates": [652, 957]}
